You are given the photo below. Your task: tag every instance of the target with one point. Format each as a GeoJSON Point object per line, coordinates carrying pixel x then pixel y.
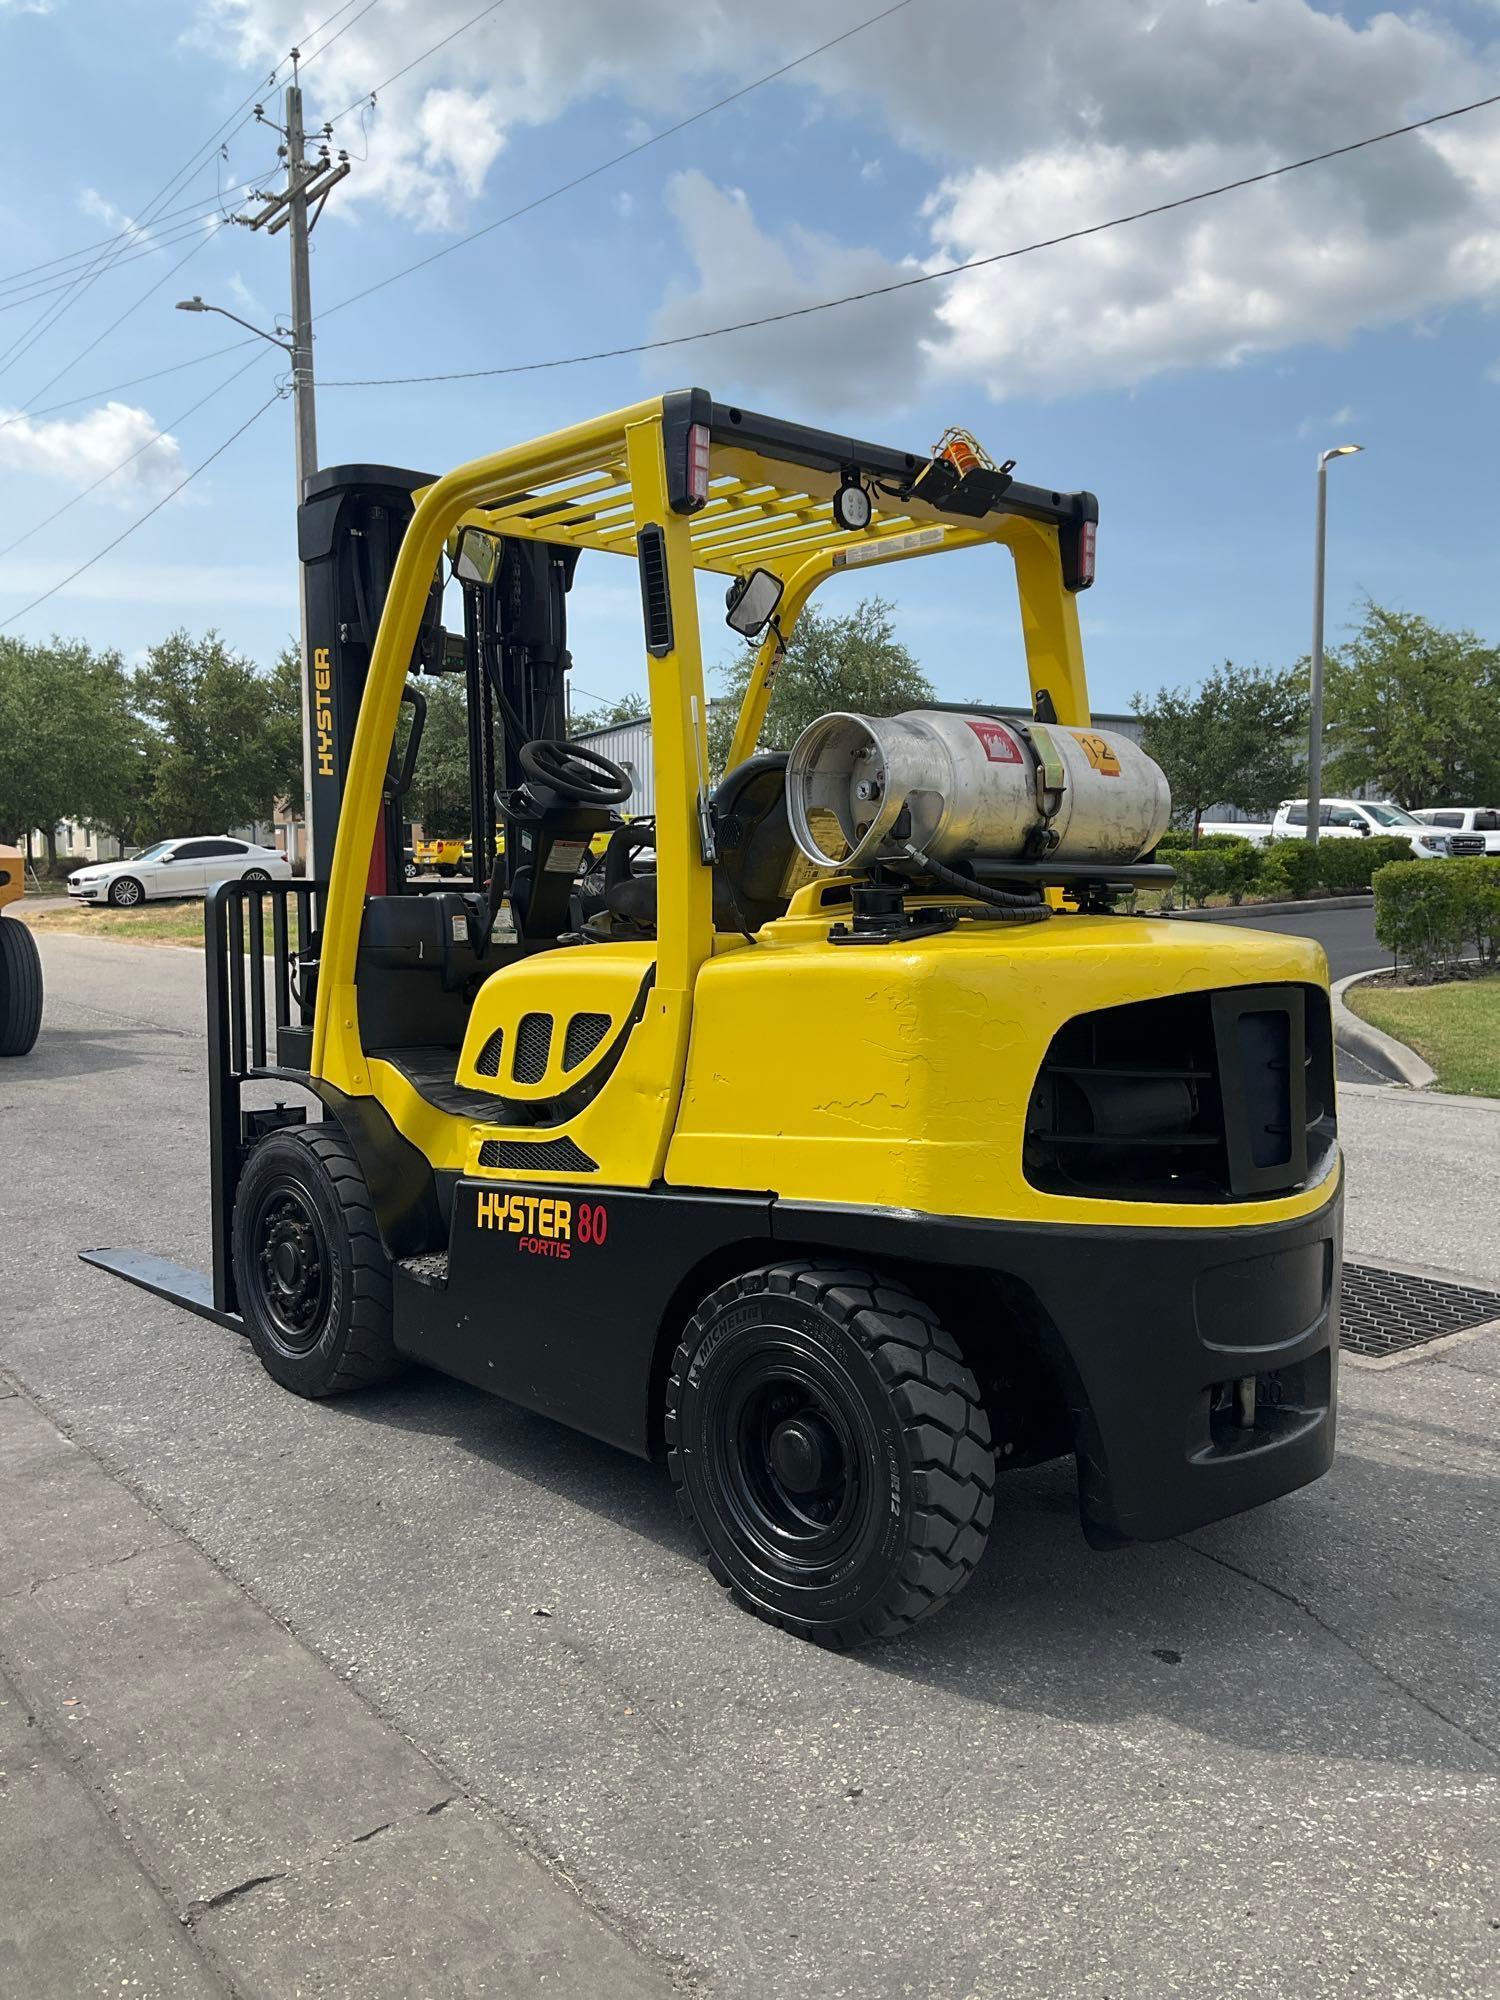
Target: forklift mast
{"type": "Point", "coordinates": [513, 654]}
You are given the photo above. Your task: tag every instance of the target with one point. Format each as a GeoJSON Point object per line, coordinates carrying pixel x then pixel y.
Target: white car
{"type": "Point", "coordinates": [1352, 819]}
{"type": "Point", "coordinates": [177, 868]}
{"type": "Point", "coordinates": [1483, 820]}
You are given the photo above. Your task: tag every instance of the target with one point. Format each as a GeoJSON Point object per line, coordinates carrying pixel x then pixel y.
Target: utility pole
{"type": "Point", "coordinates": [308, 186]}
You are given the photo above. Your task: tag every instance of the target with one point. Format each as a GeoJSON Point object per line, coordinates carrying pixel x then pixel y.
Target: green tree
{"type": "Point", "coordinates": [832, 661]}
{"type": "Point", "coordinates": [439, 795]}
{"type": "Point", "coordinates": [220, 729]}
{"type": "Point", "coordinates": [285, 724]}
{"type": "Point", "coordinates": [1234, 739]}
{"type": "Point", "coordinates": [610, 714]}
{"type": "Point", "coordinates": [70, 743]}
{"type": "Point", "coordinates": [1414, 711]}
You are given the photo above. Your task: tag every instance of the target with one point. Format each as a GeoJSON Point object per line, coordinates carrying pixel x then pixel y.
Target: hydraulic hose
{"type": "Point", "coordinates": [1015, 906]}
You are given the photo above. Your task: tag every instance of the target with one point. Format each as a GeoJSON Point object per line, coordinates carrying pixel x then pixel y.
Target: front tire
{"type": "Point", "coordinates": [20, 989]}
{"type": "Point", "coordinates": [830, 1446]}
{"type": "Point", "coordinates": [125, 892]}
{"type": "Point", "coordinates": [256, 877]}
{"type": "Point", "coordinates": [310, 1271]}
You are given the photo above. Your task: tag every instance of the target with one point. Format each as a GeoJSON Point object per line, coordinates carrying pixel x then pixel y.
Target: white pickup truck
{"type": "Point", "coordinates": [1354, 819]}
{"type": "Point", "coordinates": [1483, 820]}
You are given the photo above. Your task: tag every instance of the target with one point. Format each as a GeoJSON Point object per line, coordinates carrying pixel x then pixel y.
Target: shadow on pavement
{"type": "Point", "coordinates": [1181, 1633]}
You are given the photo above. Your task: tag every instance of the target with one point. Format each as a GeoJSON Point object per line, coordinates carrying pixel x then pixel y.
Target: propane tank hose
{"type": "Point", "coordinates": [1014, 906]}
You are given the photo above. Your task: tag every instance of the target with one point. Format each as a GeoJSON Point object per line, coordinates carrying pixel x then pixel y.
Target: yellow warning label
{"type": "Point", "coordinates": [1101, 754]}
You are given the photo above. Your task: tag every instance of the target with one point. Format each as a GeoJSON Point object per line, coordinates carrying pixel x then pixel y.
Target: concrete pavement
{"type": "Point", "coordinates": [1261, 1760]}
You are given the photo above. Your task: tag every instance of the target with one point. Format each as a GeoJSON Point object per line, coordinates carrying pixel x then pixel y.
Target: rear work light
{"type": "Point", "coordinates": [1088, 535]}
{"type": "Point", "coordinates": [697, 463]}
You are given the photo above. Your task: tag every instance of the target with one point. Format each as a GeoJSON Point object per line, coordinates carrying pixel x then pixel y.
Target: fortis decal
{"type": "Point", "coordinates": [544, 1225]}
{"type": "Point", "coordinates": [323, 710]}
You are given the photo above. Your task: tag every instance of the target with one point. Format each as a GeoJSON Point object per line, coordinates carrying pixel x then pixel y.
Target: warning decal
{"type": "Point", "coordinates": [999, 745]}
{"type": "Point", "coordinates": [1101, 754]}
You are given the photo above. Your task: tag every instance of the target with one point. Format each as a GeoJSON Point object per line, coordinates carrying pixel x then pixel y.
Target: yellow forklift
{"type": "Point", "coordinates": [841, 1138]}
{"type": "Point", "coordinates": [20, 964]}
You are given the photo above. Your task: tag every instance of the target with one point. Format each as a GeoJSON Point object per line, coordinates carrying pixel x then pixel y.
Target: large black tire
{"type": "Point", "coordinates": [313, 1279]}
{"type": "Point", "coordinates": [830, 1447]}
{"type": "Point", "coordinates": [20, 988]}
{"type": "Point", "coordinates": [126, 893]}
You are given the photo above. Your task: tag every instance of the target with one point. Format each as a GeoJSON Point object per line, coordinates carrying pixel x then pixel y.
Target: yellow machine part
{"type": "Point", "coordinates": [899, 1077]}
{"type": "Point", "coordinates": [12, 875]}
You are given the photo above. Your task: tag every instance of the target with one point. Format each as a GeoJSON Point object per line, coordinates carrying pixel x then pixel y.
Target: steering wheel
{"type": "Point", "coordinates": [575, 771]}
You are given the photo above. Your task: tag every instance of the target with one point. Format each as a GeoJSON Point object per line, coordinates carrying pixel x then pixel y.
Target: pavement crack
{"type": "Point", "coordinates": [203, 1904]}
{"type": "Point", "coordinates": [360, 1838]}
{"type": "Point", "coordinates": [1394, 1680]}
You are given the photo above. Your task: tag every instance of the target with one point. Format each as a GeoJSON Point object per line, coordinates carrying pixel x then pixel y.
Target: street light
{"type": "Point", "coordinates": [197, 305]}
{"type": "Point", "coordinates": [1315, 704]}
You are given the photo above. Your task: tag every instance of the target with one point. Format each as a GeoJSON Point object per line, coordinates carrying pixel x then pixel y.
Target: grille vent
{"type": "Point", "coordinates": [533, 1046]}
{"type": "Point", "coordinates": [656, 596]}
{"type": "Point", "coordinates": [488, 1060]}
{"type": "Point", "coordinates": [537, 1156]}
{"type": "Point", "coordinates": [585, 1033]}
{"type": "Point", "coordinates": [1189, 1098]}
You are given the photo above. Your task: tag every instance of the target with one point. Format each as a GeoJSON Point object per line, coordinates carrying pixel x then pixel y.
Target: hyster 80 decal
{"type": "Point", "coordinates": [543, 1224]}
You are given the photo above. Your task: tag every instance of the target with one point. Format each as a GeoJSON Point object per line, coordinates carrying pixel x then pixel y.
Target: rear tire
{"type": "Point", "coordinates": [830, 1446]}
{"type": "Point", "coordinates": [310, 1270]}
{"type": "Point", "coordinates": [20, 989]}
{"type": "Point", "coordinates": [257, 877]}
{"type": "Point", "coordinates": [126, 893]}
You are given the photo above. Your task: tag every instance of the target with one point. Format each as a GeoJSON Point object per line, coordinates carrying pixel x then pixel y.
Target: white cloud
{"type": "Point", "coordinates": [1037, 118]}
{"type": "Point", "coordinates": [78, 450]}
{"type": "Point", "coordinates": [743, 273]}
{"type": "Point", "coordinates": [1339, 420]}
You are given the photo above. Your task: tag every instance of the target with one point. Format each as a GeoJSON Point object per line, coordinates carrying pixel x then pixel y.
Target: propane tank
{"type": "Point", "coordinates": [861, 788]}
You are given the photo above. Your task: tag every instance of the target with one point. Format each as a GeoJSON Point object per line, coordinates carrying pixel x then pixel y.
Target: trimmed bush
{"type": "Point", "coordinates": [1349, 864]}
{"type": "Point", "coordinates": [1242, 869]}
{"type": "Point", "coordinates": [1295, 862]}
{"type": "Point", "coordinates": [63, 867]}
{"type": "Point", "coordinates": [1200, 873]}
{"type": "Point", "coordinates": [1430, 912]}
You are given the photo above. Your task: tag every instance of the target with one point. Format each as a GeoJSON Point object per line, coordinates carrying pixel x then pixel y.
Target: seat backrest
{"type": "Point", "coordinates": [760, 862]}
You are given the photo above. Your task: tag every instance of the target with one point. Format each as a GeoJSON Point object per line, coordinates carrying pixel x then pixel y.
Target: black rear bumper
{"type": "Point", "coordinates": [1149, 1332]}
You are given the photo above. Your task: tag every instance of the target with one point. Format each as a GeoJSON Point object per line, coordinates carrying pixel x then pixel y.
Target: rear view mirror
{"type": "Point", "coordinates": [751, 602]}
{"type": "Point", "coordinates": [478, 557]}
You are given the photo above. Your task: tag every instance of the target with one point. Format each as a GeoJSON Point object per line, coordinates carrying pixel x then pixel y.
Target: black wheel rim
{"type": "Point", "coordinates": [789, 1457]}
{"type": "Point", "coordinates": [290, 1267]}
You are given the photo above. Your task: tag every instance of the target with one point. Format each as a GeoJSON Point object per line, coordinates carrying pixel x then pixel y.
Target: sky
{"type": "Point", "coordinates": [1186, 368]}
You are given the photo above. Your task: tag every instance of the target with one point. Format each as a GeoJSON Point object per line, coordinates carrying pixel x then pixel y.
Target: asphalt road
{"type": "Point", "coordinates": [1261, 1760]}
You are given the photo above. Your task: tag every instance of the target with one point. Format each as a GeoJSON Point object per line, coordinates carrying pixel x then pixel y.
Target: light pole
{"type": "Point", "coordinates": [1315, 702]}
{"type": "Point", "coordinates": [283, 339]}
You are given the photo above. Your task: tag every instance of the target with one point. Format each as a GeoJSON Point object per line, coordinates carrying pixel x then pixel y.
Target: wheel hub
{"type": "Point", "coordinates": [805, 1455]}
{"type": "Point", "coordinates": [291, 1267]}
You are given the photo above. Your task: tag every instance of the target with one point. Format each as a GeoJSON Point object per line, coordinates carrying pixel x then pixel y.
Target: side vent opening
{"type": "Point", "coordinates": [533, 1047]}
{"type": "Point", "coordinates": [537, 1156]}
{"type": "Point", "coordinates": [487, 1062]}
{"type": "Point", "coordinates": [585, 1033]}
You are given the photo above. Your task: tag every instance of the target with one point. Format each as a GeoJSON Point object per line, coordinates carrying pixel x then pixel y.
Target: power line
{"type": "Point", "coordinates": [604, 166]}
{"type": "Point", "coordinates": [131, 382]}
{"type": "Point", "coordinates": [135, 306]}
{"type": "Point", "coordinates": [141, 519]}
{"type": "Point", "coordinates": [132, 230]}
{"type": "Point", "coordinates": [194, 163]}
{"type": "Point", "coordinates": [369, 96]}
{"type": "Point", "coordinates": [925, 278]}
{"type": "Point", "coordinates": [168, 240]}
{"type": "Point", "coordinates": [170, 425]}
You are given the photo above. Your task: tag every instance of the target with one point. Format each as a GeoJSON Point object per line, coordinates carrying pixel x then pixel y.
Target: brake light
{"type": "Point", "coordinates": [1088, 532]}
{"type": "Point", "coordinates": [697, 463]}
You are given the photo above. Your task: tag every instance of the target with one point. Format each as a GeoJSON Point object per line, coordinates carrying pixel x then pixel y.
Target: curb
{"type": "Point", "coordinates": [1364, 1040]}
{"type": "Point", "coordinates": [1228, 914]}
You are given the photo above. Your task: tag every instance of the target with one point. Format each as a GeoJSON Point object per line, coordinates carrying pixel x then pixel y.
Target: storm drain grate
{"type": "Point", "coordinates": [1386, 1312]}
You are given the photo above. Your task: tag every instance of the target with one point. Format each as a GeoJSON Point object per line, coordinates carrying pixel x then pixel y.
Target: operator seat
{"type": "Point", "coordinates": [758, 858]}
